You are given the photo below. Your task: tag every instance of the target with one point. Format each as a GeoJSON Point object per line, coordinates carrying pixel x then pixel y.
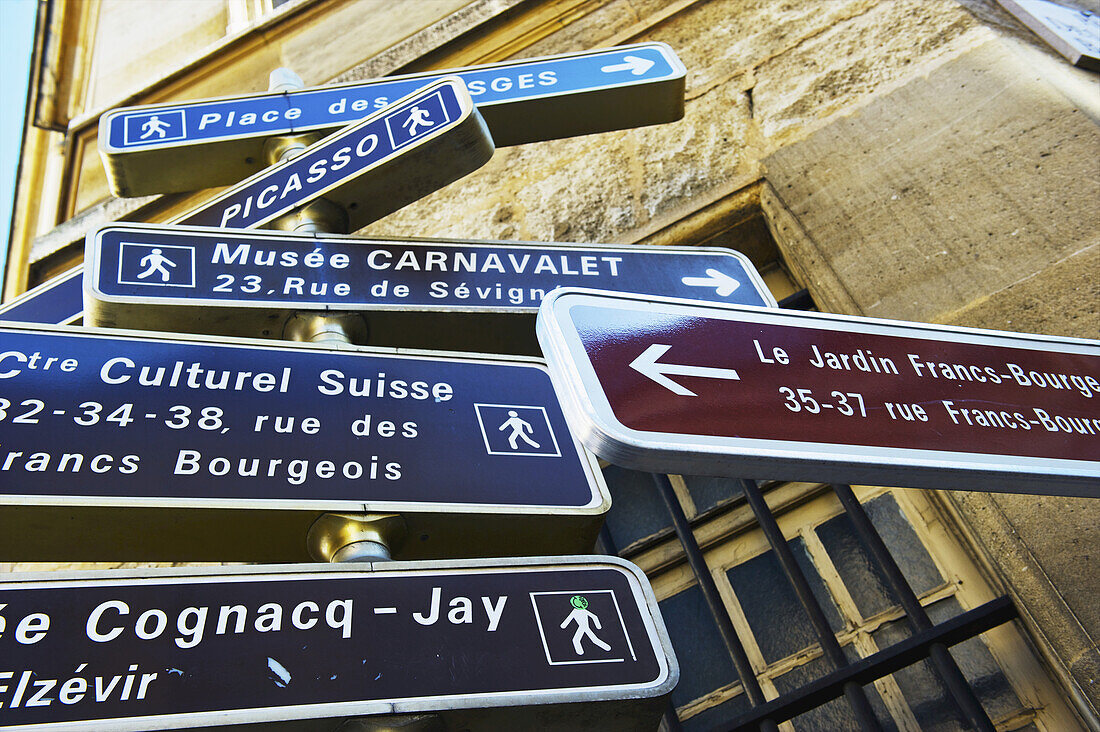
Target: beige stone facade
{"type": "Point", "coordinates": [925, 160]}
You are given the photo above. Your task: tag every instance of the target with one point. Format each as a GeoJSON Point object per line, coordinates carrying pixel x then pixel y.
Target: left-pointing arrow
{"type": "Point", "coordinates": [646, 365]}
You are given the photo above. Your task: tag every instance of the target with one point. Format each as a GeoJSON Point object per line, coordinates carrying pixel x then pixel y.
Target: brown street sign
{"type": "Point", "coordinates": [708, 389]}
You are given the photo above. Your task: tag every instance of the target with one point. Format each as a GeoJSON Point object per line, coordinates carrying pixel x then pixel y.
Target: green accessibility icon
{"type": "Point", "coordinates": [579, 601]}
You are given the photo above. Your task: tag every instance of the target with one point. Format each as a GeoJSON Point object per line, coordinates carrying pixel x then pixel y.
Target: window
{"type": "Point", "coordinates": [847, 584]}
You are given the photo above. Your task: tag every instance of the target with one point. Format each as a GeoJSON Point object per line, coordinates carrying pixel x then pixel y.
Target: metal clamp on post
{"type": "Point", "coordinates": [355, 537]}
{"type": "Point", "coordinates": [320, 216]}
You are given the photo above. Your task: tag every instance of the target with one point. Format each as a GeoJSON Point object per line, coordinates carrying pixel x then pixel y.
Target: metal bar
{"type": "Point", "coordinates": [605, 544]}
{"type": "Point", "coordinates": [800, 300]}
{"type": "Point", "coordinates": [861, 706]}
{"type": "Point", "coordinates": [714, 601]}
{"type": "Point", "coordinates": [887, 661]}
{"type": "Point", "coordinates": [918, 619]}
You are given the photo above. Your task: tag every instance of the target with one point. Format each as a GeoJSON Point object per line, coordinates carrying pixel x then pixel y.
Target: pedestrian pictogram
{"type": "Point", "coordinates": [417, 117]}
{"type": "Point", "coordinates": [155, 261]}
{"type": "Point", "coordinates": [516, 430]}
{"type": "Point", "coordinates": [157, 265]}
{"type": "Point", "coordinates": [582, 627]}
{"type": "Point", "coordinates": [413, 122]}
{"type": "Point", "coordinates": [161, 126]}
{"type": "Point", "coordinates": [519, 427]}
{"type": "Point", "coordinates": [154, 126]}
{"type": "Point", "coordinates": [584, 619]}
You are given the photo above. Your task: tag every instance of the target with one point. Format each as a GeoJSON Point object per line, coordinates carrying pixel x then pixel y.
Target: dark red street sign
{"type": "Point", "coordinates": [678, 386]}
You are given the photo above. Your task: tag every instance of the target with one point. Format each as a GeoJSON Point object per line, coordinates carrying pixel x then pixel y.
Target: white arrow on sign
{"type": "Point", "coordinates": [634, 64]}
{"type": "Point", "coordinates": [646, 365]}
{"type": "Point", "coordinates": [724, 284]}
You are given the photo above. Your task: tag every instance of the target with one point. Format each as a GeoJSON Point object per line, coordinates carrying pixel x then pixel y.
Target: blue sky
{"type": "Point", "coordinates": [16, 41]}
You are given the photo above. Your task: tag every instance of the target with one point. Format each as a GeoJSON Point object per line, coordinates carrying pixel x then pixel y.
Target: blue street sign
{"type": "Point", "coordinates": [400, 154]}
{"type": "Point", "coordinates": [97, 419]}
{"type": "Point", "coordinates": [57, 301]}
{"type": "Point", "coordinates": [184, 146]}
{"type": "Point", "coordinates": [572, 642]}
{"type": "Point", "coordinates": [140, 272]}
{"type": "Point", "coordinates": [393, 157]}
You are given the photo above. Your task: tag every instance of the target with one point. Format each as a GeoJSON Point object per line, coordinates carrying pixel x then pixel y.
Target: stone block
{"type": "Point", "coordinates": [959, 184]}
{"type": "Point", "coordinates": [862, 52]}
{"type": "Point", "coordinates": [597, 188]}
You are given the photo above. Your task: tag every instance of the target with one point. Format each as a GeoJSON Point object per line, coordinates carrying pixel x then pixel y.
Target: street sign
{"type": "Point", "coordinates": [706, 389]}
{"type": "Point", "coordinates": [159, 439]}
{"type": "Point", "coordinates": [202, 280]}
{"type": "Point", "coordinates": [390, 159]}
{"type": "Point", "coordinates": [1072, 32]}
{"type": "Point", "coordinates": [57, 301]}
{"type": "Point", "coordinates": [395, 156]}
{"type": "Point", "coordinates": [553, 643]}
{"type": "Point", "coordinates": [185, 146]}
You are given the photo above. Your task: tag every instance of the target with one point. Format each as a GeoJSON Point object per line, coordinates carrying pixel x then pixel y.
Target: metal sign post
{"type": "Point", "coordinates": [186, 146]}
{"type": "Point", "coordinates": [249, 283]}
{"type": "Point", "coordinates": [676, 386]}
{"type": "Point", "coordinates": [548, 643]}
{"type": "Point", "coordinates": [118, 445]}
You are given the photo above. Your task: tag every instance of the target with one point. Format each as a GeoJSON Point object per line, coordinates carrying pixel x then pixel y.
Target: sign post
{"type": "Point", "coordinates": [706, 389]}
{"type": "Point", "coordinates": [218, 281]}
{"type": "Point", "coordinates": [548, 643]}
{"type": "Point", "coordinates": [165, 148]}
{"type": "Point", "coordinates": [133, 446]}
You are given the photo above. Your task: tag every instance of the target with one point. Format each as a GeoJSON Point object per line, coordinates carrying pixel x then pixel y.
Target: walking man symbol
{"type": "Point", "coordinates": [520, 427]}
{"type": "Point", "coordinates": [155, 261]}
{"type": "Point", "coordinates": [417, 117]}
{"type": "Point", "coordinates": [584, 618]}
{"type": "Point", "coordinates": [155, 126]}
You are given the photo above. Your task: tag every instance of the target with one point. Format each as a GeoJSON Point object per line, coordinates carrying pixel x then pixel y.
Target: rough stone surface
{"type": "Point", "coordinates": [851, 59]}
{"type": "Point", "coordinates": [967, 195]}
{"type": "Point", "coordinates": [596, 188]}
{"type": "Point", "coordinates": [722, 39]}
{"type": "Point", "coordinates": [604, 21]}
{"type": "Point", "coordinates": [1059, 300]}
{"type": "Point", "coordinates": [951, 187]}
{"type": "Point", "coordinates": [1044, 549]}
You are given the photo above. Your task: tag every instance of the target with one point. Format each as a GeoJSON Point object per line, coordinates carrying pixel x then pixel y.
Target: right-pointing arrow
{"type": "Point", "coordinates": [724, 284]}
{"type": "Point", "coordinates": [634, 64]}
{"type": "Point", "coordinates": [646, 365]}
